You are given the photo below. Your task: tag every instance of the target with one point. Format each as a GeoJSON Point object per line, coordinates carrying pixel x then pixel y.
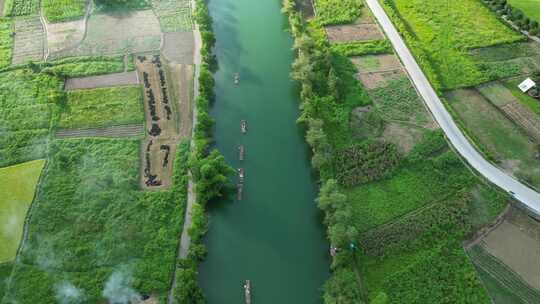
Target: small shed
{"type": "Point", "coordinates": [526, 85]}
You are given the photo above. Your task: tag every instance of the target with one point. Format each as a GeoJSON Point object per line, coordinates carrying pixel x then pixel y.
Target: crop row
{"type": "Point", "coordinates": [503, 274]}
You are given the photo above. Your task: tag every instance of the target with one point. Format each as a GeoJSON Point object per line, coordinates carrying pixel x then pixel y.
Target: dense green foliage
{"type": "Point", "coordinates": [63, 10]}
{"type": "Point", "coordinates": [118, 5]}
{"type": "Point", "coordinates": [5, 272]}
{"type": "Point", "coordinates": [6, 42]}
{"type": "Point", "coordinates": [338, 11]}
{"type": "Point", "coordinates": [523, 13]}
{"type": "Point", "coordinates": [28, 103]}
{"type": "Point", "coordinates": [360, 48]}
{"type": "Point", "coordinates": [444, 274]}
{"type": "Point", "coordinates": [102, 107]}
{"type": "Point", "coordinates": [20, 7]}
{"type": "Point", "coordinates": [91, 222]}
{"type": "Point", "coordinates": [362, 163]}
{"type": "Point", "coordinates": [439, 35]}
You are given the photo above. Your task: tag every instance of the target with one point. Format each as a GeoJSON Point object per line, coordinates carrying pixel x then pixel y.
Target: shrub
{"type": "Point", "coordinates": [365, 162]}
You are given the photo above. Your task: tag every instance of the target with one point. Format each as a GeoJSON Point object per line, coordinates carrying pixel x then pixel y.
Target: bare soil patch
{"type": "Point", "coordinates": [29, 40]}
{"type": "Point", "coordinates": [178, 47]}
{"type": "Point", "coordinates": [404, 136]}
{"type": "Point", "coordinates": [181, 90]}
{"type": "Point", "coordinates": [65, 35]}
{"type": "Point", "coordinates": [109, 132]}
{"type": "Point", "coordinates": [517, 250]}
{"type": "Point", "coordinates": [133, 32]}
{"type": "Point", "coordinates": [376, 63]}
{"type": "Point", "coordinates": [162, 120]}
{"type": "Point", "coordinates": [353, 32]}
{"type": "Point", "coordinates": [379, 79]}
{"type": "Point", "coordinates": [306, 8]}
{"type": "Point", "coordinates": [158, 158]}
{"type": "Point", "coordinates": [109, 80]}
{"type": "Point", "coordinates": [1, 8]}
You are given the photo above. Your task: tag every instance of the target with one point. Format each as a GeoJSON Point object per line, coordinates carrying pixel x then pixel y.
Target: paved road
{"type": "Point", "coordinates": [524, 194]}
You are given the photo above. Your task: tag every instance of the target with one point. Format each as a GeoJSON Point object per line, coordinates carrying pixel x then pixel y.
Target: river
{"type": "Point", "coordinates": [274, 236]}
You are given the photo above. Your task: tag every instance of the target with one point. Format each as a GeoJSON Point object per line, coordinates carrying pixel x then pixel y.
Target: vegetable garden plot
{"type": "Point", "coordinates": [20, 7]}
{"type": "Point", "coordinates": [174, 15]}
{"type": "Point", "coordinates": [136, 32]}
{"type": "Point", "coordinates": [376, 63]}
{"type": "Point", "coordinates": [102, 107]}
{"type": "Point", "coordinates": [353, 32]}
{"type": "Point", "coordinates": [29, 40]}
{"type": "Point", "coordinates": [63, 10]}
{"type": "Point", "coordinates": [6, 42]}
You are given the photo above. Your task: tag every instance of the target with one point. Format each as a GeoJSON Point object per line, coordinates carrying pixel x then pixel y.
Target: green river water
{"type": "Point", "coordinates": [274, 236]}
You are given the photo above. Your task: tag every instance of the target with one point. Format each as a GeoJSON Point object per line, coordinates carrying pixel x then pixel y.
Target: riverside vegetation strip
{"type": "Point", "coordinates": [426, 185]}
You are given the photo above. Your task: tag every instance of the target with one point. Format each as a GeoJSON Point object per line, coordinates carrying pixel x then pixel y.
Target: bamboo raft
{"type": "Point", "coordinates": [240, 191]}
{"type": "Point", "coordinates": [247, 291]}
{"type": "Point", "coordinates": [241, 151]}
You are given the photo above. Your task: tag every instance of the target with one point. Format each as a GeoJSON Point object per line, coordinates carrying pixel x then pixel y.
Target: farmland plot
{"type": "Point", "coordinates": [503, 99]}
{"type": "Point", "coordinates": [101, 81]}
{"type": "Point", "coordinates": [102, 108]}
{"type": "Point", "coordinates": [27, 104]}
{"type": "Point", "coordinates": [20, 7]}
{"type": "Point", "coordinates": [6, 42]}
{"type": "Point", "coordinates": [29, 40]}
{"type": "Point", "coordinates": [64, 35]}
{"type": "Point", "coordinates": [531, 8]}
{"type": "Point", "coordinates": [353, 32]}
{"type": "Point", "coordinates": [17, 188]}
{"type": "Point", "coordinates": [63, 10]}
{"type": "Point", "coordinates": [174, 15]}
{"type": "Point", "coordinates": [136, 32]}
{"type": "Point", "coordinates": [439, 34]}
{"type": "Point", "coordinates": [504, 140]}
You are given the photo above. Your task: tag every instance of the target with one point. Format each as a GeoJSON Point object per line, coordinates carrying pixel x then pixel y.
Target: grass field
{"type": "Point", "coordinates": [63, 10]}
{"type": "Point", "coordinates": [6, 42]}
{"type": "Point", "coordinates": [103, 107]}
{"type": "Point", "coordinates": [531, 8]}
{"type": "Point", "coordinates": [500, 136]}
{"type": "Point", "coordinates": [17, 188]}
{"type": "Point", "coordinates": [439, 33]}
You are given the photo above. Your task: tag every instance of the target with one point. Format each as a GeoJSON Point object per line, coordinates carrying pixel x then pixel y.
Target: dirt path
{"type": "Point", "coordinates": [1, 12]}
{"type": "Point", "coordinates": [185, 238]}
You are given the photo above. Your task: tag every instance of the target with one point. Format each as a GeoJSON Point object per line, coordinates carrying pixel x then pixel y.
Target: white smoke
{"type": "Point", "coordinates": [67, 293]}
{"type": "Point", "coordinates": [118, 288]}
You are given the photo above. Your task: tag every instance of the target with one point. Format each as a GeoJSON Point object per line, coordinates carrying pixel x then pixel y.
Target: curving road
{"type": "Point", "coordinates": [522, 193]}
